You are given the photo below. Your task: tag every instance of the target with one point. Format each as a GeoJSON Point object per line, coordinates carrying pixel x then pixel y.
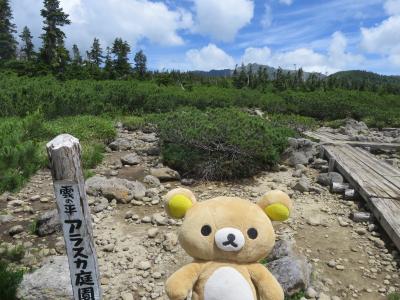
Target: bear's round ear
{"type": "Point", "coordinates": [276, 204]}
{"type": "Point", "coordinates": [178, 202]}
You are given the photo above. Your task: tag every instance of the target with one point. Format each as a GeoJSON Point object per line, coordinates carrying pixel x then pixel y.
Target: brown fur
{"type": "Point", "coordinates": [222, 212]}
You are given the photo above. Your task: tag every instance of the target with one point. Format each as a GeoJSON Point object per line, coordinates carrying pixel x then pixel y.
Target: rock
{"type": "Point", "coordinates": [15, 230]}
{"type": "Point", "coordinates": [16, 203]}
{"type": "Point", "coordinates": [144, 265]}
{"type": "Point", "coordinates": [34, 198]}
{"type": "Point", "coordinates": [131, 159]}
{"type": "Point", "coordinates": [170, 240]}
{"type": "Point", "coordinates": [353, 128]}
{"type": "Point", "coordinates": [159, 219]}
{"type": "Point", "coordinates": [128, 215]}
{"type": "Point", "coordinates": [115, 188]}
{"type": "Point", "coordinates": [6, 219]}
{"type": "Point", "coordinates": [292, 272]}
{"type": "Point", "coordinates": [48, 223]}
{"type": "Point", "coordinates": [152, 232]}
{"type": "Point", "coordinates": [126, 296]}
{"type": "Point", "coordinates": [300, 151]}
{"type": "Point", "coordinates": [51, 281]}
{"type": "Point", "coordinates": [281, 249]}
{"type": "Point", "coordinates": [165, 174]}
{"type": "Point", "coordinates": [323, 296]}
{"type": "Point", "coordinates": [152, 150]}
{"type": "Point", "coordinates": [311, 293]}
{"type": "Point", "coordinates": [315, 220]}
{"type": "Point", "coordinates": [302, 185]}
{"type": "Point", "coordinates": [188, 181]}
{"type": "Point", "coordinates": [327, 179]}
{"type": "Point", "coordinates": [149, 138]}
{"type": "Point", "coordinates": [152, 180]}
{"type": "Point", "coordinates": [360, 217]}
{"type": "Point", "coordinates": [120, 144]}
{"type": "Point", "coordinates": [102, 205]}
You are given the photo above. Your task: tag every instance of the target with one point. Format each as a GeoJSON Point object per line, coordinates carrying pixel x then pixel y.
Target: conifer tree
{"type": "Point", "coordinates": [8, 44]}
{"type": "Point", "coordinates": [27, 48]}
{"type": "Point", "coordinates": [140, 64]}
{"type": "Point", "coordinates": [76, 55]}
{"type": "Point", "coordinates": [95, 55]}
{"type": "Point", "coordinates": [53, 51]}
{"type": "Point", "coordinates": [121, 49]}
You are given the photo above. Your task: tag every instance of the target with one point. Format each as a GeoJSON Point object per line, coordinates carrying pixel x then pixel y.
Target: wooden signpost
{"type": "Point", "coordinates": [69, 187]}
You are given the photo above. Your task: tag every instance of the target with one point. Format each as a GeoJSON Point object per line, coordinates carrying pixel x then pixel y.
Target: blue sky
{"type": "Point", "coordinates": [319, 35]}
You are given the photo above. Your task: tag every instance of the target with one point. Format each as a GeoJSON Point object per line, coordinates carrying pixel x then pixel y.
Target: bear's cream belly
{"type": "Point", "coordinates": [227, 284]}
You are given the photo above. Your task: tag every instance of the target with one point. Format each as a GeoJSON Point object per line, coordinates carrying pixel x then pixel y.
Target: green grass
{"type": "Point", "coordinates": [33, 227]}
{"type": "Point", "coordinates": [13, 254]}
{"type": "Point", "coordinates": [10, 278]}
{"type": "Point", "coordinates": [394, 296]}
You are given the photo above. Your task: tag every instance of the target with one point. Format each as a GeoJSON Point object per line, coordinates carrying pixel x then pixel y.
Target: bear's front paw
{"type": "Point", "coordinates": [176, 294]}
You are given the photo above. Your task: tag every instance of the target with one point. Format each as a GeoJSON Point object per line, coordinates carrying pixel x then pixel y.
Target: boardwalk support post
{"type": "Point", "coordinates": [64, 153]}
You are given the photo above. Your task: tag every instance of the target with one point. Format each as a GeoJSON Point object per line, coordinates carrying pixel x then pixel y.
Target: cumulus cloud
{"type": "Point", "coordinates": [392, 7]}
{"type": "Point", "coordinates": [287, 2]}
{"type": "Point", "coordinates": [336, 58]}
{"type": "Point", "coordinates": [133, 20]}
{"type": "Point", "coordinates": [256, 55]}
{"type": "Point", "coordinates": [222, 20]}
{"type": "Point", "coordinates": [209, 57]}
{"type": "Point", "coordinates": [383, 39]}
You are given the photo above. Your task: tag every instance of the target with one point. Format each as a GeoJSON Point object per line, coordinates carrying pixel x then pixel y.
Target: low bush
{"type": "Point", "coordinates": [22, 144]}
{"type": "Point", "coordinates": [219, 143]}
{"type": "Point", "coordinates": [295, 122]}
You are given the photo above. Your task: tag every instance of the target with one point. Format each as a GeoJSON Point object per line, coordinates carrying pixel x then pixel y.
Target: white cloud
{"type": "Point", "coordinates": [392, 7]}
{"type": "Point", "coordinates": [132, 20]}
{"type": "Point", "coordinates": [334, 60]}
{"type": "Point", "coordinates": [267, 18]}
{"type": "Point", "coordinates": [222, 19]}
{"type": "Point", "coordinates": [209, 57]}
{"type": "Point", "coordinates": [256, 55]}
{"type": "Point", "coordinates": [383, 39]}
{"type": "Point", "coordinates": [287, 2]}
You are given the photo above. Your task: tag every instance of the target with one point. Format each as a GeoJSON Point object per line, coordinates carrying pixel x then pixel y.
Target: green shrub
{"type": "Point", "coordinates": [295, 122]}
{"type": "Point", "coordinates": [9, 281]}
{"type": "Point", "coordinates": [23, 140]}
{"type": "Point", "coordinates": [133, 122]}
{"type": "Point", "coordinates": [394, 296]}
{"type": "Point", "coordinates": [219, 143]}
{"type": "Point", "coordinates": [296, 296]}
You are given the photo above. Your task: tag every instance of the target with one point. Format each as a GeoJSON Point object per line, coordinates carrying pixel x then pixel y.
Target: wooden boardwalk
{"type": "Point", "coordinates": [375, 180]}
{"type": "Point", "coordinates": [337, 138]}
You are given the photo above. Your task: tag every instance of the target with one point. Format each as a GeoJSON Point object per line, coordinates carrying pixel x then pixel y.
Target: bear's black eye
{"type": "Point", "coordinates": [252, 233]}
{"type": "Point", "coordinates": [206, 230]}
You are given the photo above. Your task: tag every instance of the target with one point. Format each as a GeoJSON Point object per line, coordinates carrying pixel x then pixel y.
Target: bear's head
{"type": "Point", "coordinates": [227, 228]}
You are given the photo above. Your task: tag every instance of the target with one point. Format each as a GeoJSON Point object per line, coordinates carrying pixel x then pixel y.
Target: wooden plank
{"type": "Point", "coordinates": [379, 184]}
{"type": "Point", "coordinates": [387, 212]}
{"type": "Point", "coordinates": [69, 187]}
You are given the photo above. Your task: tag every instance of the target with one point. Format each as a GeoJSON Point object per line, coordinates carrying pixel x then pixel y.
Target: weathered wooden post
{"type": "Point", "coordinates": [69, 187]}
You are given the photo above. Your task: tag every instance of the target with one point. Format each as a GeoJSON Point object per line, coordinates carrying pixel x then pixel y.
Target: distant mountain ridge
{"type": "Point", "coordinates": [255, 67]}
{"type": "Point", "coordinates": [351, 75]}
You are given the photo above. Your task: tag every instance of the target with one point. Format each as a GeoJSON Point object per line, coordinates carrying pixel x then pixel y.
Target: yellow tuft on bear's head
{"type": "Point", "coordinates": [227, 228]}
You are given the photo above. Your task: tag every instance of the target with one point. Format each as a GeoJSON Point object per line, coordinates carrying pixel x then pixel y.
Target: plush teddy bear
{"type": "Point", "coordinates": [226, 236]}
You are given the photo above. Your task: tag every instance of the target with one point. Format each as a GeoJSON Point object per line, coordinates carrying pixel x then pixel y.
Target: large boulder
{"type": "Point", "coordinates": [48, 223]}
{"type": "Point", "coordinates": [51, 281]}
{"type": "Point", "coordinates": [120, 144]}
{"type": "Point", "coordinates": [292, 272]}
{"type": "Point", "coordinates": [131, 159]}
{"type": "Point", "coordinates": [354, 128]}
{"type": "Point", "coordinates": [115, 188]}
{"type": "Point", "coordinates": [300, 151]}
{"type": "Point", "coordinates": [327, 179]}
{"type": "Point", "coordinates": [165, 174]}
